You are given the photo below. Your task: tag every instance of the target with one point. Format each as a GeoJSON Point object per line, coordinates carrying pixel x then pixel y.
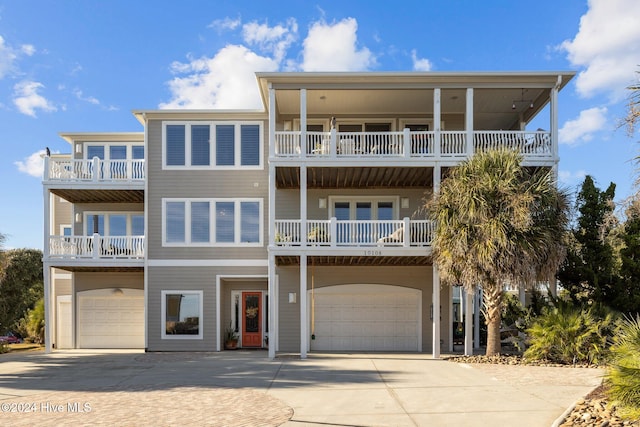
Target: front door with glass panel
{"type": "Point", "coordinates": [252, 319]}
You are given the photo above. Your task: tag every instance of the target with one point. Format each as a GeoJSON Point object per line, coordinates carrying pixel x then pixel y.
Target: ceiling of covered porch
{"type": "Point", "coordinates": [356, 177]}
{"type": "Point", "coordinates": [493, 108]}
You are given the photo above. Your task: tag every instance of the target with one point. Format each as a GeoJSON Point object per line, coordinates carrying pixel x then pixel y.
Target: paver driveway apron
{"type": "Point", "coordinates": [246, 388]}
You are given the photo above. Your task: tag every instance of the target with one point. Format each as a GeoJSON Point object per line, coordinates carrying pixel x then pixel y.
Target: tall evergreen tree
{"type": "Point", "coordinates": [588, 273]}
{"type": "Point", "coordinates": [21, 285]}
{"type": "Point", "coordinates": [627, 291]}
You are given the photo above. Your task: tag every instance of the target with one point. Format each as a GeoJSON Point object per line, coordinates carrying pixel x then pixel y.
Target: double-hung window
{"type": "Point", "coordinates": [212, 145]}
{"type": "Point", "coordinates": [212, 222]}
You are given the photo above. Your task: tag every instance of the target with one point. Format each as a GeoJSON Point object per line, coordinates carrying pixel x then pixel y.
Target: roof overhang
{"type": "Point", "coordinates": [72, 137]}
{"type": "Point", "coordinates": [411, 80]}
{"type": "Point", "coordinates": [184, 114]}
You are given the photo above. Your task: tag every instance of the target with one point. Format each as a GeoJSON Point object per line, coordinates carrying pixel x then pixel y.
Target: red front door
{"type": "Point", "coordinates": [252, 324]}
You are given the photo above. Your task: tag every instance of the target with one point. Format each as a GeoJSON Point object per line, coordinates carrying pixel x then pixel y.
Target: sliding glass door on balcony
{"type": "Point", "coordinates": [363, 221]}
{"type": "Point", "coordinates": [117, 160]}
{"type": "Point", "coordinates": [120, 233]}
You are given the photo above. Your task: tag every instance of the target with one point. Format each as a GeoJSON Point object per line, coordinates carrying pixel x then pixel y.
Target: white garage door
{"type": "Point", "coordinates": [111, 318]}
{"type": "Point", "coordinates": [367, 318]}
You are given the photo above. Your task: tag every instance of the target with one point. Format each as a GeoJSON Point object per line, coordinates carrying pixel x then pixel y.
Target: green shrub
{"type": "Point", "coordinates": [570, 334]}
{"type": "Point", "coordinates": [623, 373]}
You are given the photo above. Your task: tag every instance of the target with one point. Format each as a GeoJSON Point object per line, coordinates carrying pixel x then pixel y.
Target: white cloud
{"type": "Point", "coordinates": [274, 40]}
{"type": "Point", "coordinates": [571, 179]}
{"type": "Point", "coordinates": [225, 24]}
{"type": "Point", "coordinates": [7, 58]}
{"type": "Point", "coordinates": [90, 99]}
{"type": "Point", "coordinates": [420, 64]}
{"type": "Point", "coordinates": [607, 45]}
{"type": "Point", "coordinates": [226, 81]}
{"type": "Point", "coordinates": [582, 128]}
{"type": "Point", "coordinates": [28, 49]}
{"type": "Point", "coordinates": [32, 165]}
{"type": "Point", "coordinates": [28, 100]}
{"type": "Point", "coordinates": [333, 47]}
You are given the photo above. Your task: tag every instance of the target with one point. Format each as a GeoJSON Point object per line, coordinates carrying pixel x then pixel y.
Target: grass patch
{"type": "Point", "coordinates": [13, 348]}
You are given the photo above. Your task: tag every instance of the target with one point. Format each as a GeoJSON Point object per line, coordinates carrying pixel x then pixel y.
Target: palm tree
{"type": "Point", "coordinates": [498, 222]}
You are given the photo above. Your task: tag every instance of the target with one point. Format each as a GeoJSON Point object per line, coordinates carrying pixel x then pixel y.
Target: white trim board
{"type": "Point", "coordinates": [208, 263]}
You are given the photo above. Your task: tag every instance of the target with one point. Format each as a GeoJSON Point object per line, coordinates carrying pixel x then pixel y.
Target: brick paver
{"type": "Point", "coordinates": [159, 404]}
{"type": "Point", "coordinates": [144, 406]}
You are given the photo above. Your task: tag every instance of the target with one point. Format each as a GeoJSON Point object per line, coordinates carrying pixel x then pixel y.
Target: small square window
{"type": "Point", "coordinates": [182, 314]}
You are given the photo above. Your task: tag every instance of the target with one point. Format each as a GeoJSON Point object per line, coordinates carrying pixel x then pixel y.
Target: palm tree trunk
{"type": "Point", "coordinates": [493, 314]}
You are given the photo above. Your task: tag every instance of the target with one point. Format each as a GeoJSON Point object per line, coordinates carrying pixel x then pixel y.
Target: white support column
{"type": "Point", "coordinates": [553, 119]}
{"type": "Point", "coordinates": [450, 291]}
{"type": "Point", "coordinates": [437, 178]}
{"type": "Point", "coordinates": [468, 323]}
{"type": "Point", "coordinates": [436, 313]}
{"type": "Point", "coordinates": [435, 304]}
{"type": "Point", "coordinates": [304, 233]}
{"type": "Point", "coordinates": [469, 122]}
{"type": "Point", "coordinates": [304, 321]}
{"type": "Point", "coordinates": [436, 123]}
{"type": "Point", "coordinates": [522, 296]}
{"type": "Point", "coordinates": [220, 331]}
{"type": "Point", "coordinates": [272, 307]}
{"type": "Point", "coordinates": [272, 121]}
{"type": "Point", "coordinates": [272, 205]}
{"type": "Point", "coordinates": [476, 319]}
{"type": "Point", "coordinates": [303, 122]}
{"type": "Point", "coordinates": [47, 272]}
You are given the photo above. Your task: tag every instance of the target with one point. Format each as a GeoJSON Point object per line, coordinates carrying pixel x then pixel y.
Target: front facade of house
{"type": "Point", "coordinates": [299, 227]}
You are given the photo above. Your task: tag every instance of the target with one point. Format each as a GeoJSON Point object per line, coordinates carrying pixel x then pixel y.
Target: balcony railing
{"type": "Point", "coordinates": [96, 247]}
{"type": "Point", "coordinates": [353, 233]}
{"type": "Point", "coordinates": [408, 144]}
{"type": "Point", "coordinates": [94, 170]}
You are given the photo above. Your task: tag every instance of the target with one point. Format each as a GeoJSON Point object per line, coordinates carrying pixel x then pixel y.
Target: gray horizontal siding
{"type": "Point", "coordinates": [191, 279]}
{"type": "Point", "coordinates": [200, 184]}
{"type": "Point", "coordinates": [410, 277]}
{"type": "Point", "coordinates": [86, 281]}
{"type": "Point", "coordinates": [288, 201]}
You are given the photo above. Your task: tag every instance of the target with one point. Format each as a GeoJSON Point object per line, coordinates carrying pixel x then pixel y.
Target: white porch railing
{"type": "Point", "coordinates": [537, 144]}
{"type": "Point", "coordinates": [408, 144]}
{"type": "Point", "coordinates": [96, 247]}
{"type": "Point", "coordinates": [353, 233]}
{"type": "Point", "coordinates": [94, 170]}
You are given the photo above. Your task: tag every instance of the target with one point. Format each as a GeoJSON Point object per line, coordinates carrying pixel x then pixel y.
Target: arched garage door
{"type": "Point", "coordinates": [111, 318]}
{"type": "Point", "coordinates": [366, 318]}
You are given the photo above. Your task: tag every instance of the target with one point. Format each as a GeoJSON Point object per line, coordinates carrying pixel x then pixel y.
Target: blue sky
{"type": "Point", "coordinates": [75, 66]}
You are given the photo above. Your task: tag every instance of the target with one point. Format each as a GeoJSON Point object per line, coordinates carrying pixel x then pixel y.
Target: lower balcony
{"type": "Point", "coordinates": [354, 233]}
{"type": "Point", "coordinates": [97, 247]}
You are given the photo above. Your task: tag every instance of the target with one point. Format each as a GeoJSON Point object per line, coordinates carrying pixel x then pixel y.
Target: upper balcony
{"type": "Point", "coordinates": [410, 119]}
{"type": "Point", "coordinates": [94, 171]}
{"type": "Point", "coordinates": [443, 146]}
{"type": "Point", "coordinates": [95, 180]}
{"type": "Point", "coordinates": [96, 251]}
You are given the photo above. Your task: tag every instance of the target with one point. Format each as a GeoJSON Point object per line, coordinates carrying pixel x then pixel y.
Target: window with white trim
{"type": "Point", "coordinates": [363, 208]}
{"type": "Point", "coordinates": [212, 222]}
{"type": "Point", "coordinates": [181, 314]}
{"type": "Point", "coordinates": [114, 223]}
{"type": "Point", "coordinates": [212, 145]}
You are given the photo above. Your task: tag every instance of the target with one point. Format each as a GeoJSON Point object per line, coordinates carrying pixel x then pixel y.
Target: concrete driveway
{"type": "Point", "coordinates": [244, 388]}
